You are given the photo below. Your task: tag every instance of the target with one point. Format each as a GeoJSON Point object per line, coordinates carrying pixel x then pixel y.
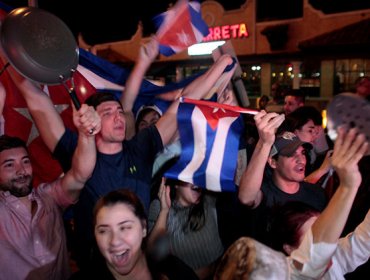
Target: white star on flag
{"type": "Point", "coordinates": [34, 133]}
{"type": "Point", "coordinates": [215, 110]}
{"type": "Point", "coordinates": [183, 37]}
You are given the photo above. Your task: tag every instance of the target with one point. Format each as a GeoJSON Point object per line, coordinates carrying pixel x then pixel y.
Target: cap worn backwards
{"type": "Point", "coordinates": [145, 108]}
{"type": "Point", "coordinates": [287, 143]}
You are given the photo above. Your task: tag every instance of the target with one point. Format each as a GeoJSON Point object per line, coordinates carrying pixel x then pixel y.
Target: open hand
{"type": "Point", "coordinates": [164, 195]}
{"type": "Point", "coordinates": [349, 148]}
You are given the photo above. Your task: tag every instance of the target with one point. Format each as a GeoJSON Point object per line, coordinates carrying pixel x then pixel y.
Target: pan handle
{"type": "Point", "coordinates": [76, 102]}
{"type": "Point", "coordinates": [72, 93]}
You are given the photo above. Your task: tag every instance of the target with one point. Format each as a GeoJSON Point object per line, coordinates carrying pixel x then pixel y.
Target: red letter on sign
{"type": "Point", "coordinates": [217, 33]}
{"type": "Point", "coordinates": [225, 32]}
{"type": "Point", "coordinates": [234, 30]}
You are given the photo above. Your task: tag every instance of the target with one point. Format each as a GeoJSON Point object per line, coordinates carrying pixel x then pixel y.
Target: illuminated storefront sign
{"type": "Point", "coordinates": [204, 48]}
{"type": "Point", "coordinates": [227, 32]}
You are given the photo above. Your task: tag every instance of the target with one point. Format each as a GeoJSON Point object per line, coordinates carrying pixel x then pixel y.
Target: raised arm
{"type": "Point", "coordinates": [197, 89]}
{"type": "Point", "coordinates": [250, 185]}
{"type": "Point", "coordinates": [147, 54]}
{"type": "Point", "coordinates": [160, 226]}
{"type": "Point", "coordinates": [47, 119]}
{"type": "Point", "coordinates": [201, 86]}
{"type": "Point", "coordinates": [321, 171]}
{"type": "Point", "coordinates": [84, 158]}
{"type": "Point", "coordinates": [349, 148]}
{"type": "Point", "coordinates": [354, 249]}
{"type": "Point", "coordinates": [318, 246]}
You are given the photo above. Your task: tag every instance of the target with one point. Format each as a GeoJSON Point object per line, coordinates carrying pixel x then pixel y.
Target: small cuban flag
{"type": "Point", "coordinates": [180, 27]}
{"type": "Point", "coordinates": [209, 136]}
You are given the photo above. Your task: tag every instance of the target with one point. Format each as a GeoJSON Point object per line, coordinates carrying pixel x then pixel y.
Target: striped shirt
{"type": "Point", "coordinates": [34, 246]}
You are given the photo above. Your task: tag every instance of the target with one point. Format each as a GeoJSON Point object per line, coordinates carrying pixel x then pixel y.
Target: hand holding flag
{"type": "Point", "coordinates": [209, 135]}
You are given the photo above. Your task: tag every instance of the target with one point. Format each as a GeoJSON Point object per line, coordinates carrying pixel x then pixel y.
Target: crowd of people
{"type": "Point", "coordinates": [291, 216]}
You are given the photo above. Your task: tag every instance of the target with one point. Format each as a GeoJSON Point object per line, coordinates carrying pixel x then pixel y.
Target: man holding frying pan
{"type": "Point", "coordinates": [120, 163]}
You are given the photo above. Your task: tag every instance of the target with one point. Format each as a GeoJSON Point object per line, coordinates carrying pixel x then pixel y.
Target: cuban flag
{"type": "Point", "coordinates": [106, 76]}
{"type": "Point", "coordinates": [209, 136]}
{"type": "Point", "coordinates": [180, 27]}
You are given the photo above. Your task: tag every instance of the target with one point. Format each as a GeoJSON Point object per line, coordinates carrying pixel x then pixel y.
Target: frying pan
{"type": "Point", "coordinates": [349, 110]}
{"type": "Point", "coordinates": [40, 47]}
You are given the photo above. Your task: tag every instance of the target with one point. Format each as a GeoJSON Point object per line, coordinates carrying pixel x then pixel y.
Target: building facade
{"type": "Point", "coordinates": [322, 54]}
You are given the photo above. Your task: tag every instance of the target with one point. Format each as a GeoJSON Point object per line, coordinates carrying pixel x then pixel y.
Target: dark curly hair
{"type": "Point", "coordinates": [9, 142]}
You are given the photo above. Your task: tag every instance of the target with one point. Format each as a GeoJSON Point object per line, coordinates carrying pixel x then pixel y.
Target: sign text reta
{"type": "Point", "coordinates": [227, 32]}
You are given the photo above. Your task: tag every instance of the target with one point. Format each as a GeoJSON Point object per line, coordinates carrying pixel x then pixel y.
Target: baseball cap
{"type": "Point", "coordinates": [145, 108]}
{"type": "Point", "coordinates": [287, 143]}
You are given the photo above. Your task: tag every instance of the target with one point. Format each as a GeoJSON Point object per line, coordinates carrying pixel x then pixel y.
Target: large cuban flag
{"type": "Point", "coordinates": [209, 136]}
{"type": "Point", "coordinates": [106, 76]}
{"type": "Point", "coordinates": [180, 27]}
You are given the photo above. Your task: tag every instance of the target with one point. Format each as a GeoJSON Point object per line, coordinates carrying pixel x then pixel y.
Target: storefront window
{"type": "Point", "coordinates": [251, 76]}
{"type": "Point", "coordinates": [347, 71]}
{"type": "Point", "coordinates": [282, 74]}
{"type": "Point", "coordinates": [310, 75]}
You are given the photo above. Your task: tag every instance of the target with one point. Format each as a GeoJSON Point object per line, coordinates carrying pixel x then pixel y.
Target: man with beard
{"type": "Point", "coordinates": [282, 181]}
{"type": "Point", "coordinates": [32, 237]}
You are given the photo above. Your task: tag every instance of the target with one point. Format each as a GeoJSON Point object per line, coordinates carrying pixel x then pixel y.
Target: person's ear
{"type": "Point", "coordinates": [144, 232]}
{"type": "Point", "coordinates": [272, 162]}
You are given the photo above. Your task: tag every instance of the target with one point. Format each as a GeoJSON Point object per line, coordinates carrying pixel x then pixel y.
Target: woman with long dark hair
{"type": "Point", "coordinates": [120, 229]}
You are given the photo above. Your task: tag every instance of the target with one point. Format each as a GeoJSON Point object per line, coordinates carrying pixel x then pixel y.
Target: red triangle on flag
{"type": "Point", "coordinates": [213, 114]}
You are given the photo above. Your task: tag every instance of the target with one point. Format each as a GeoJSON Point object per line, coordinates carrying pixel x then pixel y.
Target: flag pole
{"type": "Point", "coordinates": [219, 105]}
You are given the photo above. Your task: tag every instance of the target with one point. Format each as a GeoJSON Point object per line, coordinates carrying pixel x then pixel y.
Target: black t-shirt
{"type": "Point", "coordinates": [310, 194]}
{"type": "Point", "coordinates": [261, 217]}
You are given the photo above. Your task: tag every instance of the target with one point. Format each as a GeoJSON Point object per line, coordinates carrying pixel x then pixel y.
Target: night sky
{"type": "Point", "coordinates": [107, 22]}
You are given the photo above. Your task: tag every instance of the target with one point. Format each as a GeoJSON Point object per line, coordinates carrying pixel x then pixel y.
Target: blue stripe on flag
{"type": "Point", "coordinates": [232, 144]}
{"type": "Point", "coordinates": [119, 75]}
{"type": "Point", "coordinates": [186, 136]}
{"type": "Point", "coordinates": [166, 50]}
{"type": "Point", "coordinates": [197, 21]}
{"type": "Point", "coordinates": [208, 155]}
